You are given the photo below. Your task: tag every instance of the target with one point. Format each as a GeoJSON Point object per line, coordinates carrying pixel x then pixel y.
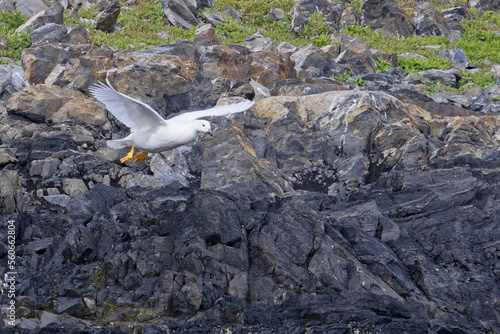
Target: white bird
{"type": "Point", "coordinates": [149, 132]}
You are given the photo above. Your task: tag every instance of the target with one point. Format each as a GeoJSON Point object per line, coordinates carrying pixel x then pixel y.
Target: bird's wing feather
{"type": "Point", "coordinates": [223, 110]}
{"type": "Point", "coordinates": [133, 113]}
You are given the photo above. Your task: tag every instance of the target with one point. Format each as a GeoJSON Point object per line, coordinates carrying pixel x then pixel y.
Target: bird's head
{"type": "Point", "coordinates": [202, 125]}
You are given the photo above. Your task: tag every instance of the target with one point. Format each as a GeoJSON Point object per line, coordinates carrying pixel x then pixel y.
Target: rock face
{"type": "Point", "coordinates": [328, 207]}
{"type": "Point", "coordinates": [386, 17]}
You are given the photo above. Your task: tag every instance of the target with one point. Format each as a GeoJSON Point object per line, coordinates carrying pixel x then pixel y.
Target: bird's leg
{"type": "Point", "coordinates": [128, 156]}
{"type": "Point", "coordinates": [140, 156]}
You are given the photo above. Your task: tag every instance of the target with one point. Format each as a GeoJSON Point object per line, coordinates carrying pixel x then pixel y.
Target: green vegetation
{"type": "Point", "coordinates": [140, 26]}
{"type": "Point", "coordinates": [143, 24]}
{"type": "Point", "coordinates": [16, 42]}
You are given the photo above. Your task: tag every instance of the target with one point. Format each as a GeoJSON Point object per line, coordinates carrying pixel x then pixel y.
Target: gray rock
{"type": "Point", "coordinates": [447, 77]}
{"type": "Point", "coordinates": [276, 14]}
{"type": "Point", "coordinates": [456, 56]}
{"type": "Point", "coordinates": [430, 22]}
{"type": "Point", "coordinates": [54, 14]}
{"type": "Point", "coordinates": [12, 79]}
{"type": "Point", "coordinates": [107, 14]}
{"type": "Point", "coordinates": [30, 8]}
{"type": "Point", "coordinates": [485, 4]}
{"type": "Point", "coordinates": [58, 200]}
{"type": "Point", "coordinates": [7, 6]}
{"type": "Point", "coordinates": [257, 42]}
{"type": "Point", "coordinates": [205, 35]}
{"type": "Point", "coordinates": [10, 191]}
{"type": "Point", "coordinates": [350, 17]}
{"type": "Point", "coordinates": [74, 187]}
{"type": "Point", "coordinates": [57, 33]}
{"type": "Point", "coordinates": [179, 13]}
{"type": "Point", "coordinates": [386, 17]}
{"type": "Point", "coordinates": [48, 318]}
{"type": "Point", "coordinates": [214, 18]}
{"type": "Point", "coordinates": [232, 13]}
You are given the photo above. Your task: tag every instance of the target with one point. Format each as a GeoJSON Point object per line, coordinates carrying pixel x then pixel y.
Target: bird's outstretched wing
{"type": "Point", "coordinates": [224, 110]}
{"type": "Point", "coordinates": [133, 113]}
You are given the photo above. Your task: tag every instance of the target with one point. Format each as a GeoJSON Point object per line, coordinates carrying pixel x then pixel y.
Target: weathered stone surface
{"type": "Point", "coordinates": [206, 36]}
{"type": "Point", "coordinates": [485, 4]}
{"type": "Point", "coordinates": [448, 77]}
{"type": "Point", "coordinates": [10, 191]}
{"type": "Point", "coordinates": [38, 103]}
{"type": "Point", "coordinates": [65, 63]}
{"type": "Point", "coordinates": [30, 8]}
{"type": "Point", "coordinates": [58, 33]}
{"type": "Point", "coordinates": [430, 22]}
{"type": "Point", "coordinates": [267, 67]}
{"type": "Point", "coordinates": [356, 55]}
{"type": "Point", "coordinates": [107, 14]}
{"type": "Point", "coordinates": [12, 79]}
{"type": "Point", "coordinates": [350, 16]}
{"type": "Point", "coordinates": [386, 17]}
{"type": "Point", "coordinates": [257, 42]}
{"type": "Point", "coordinates": [325, 208]}
{"type": "Point", "coordinates": [54, 14]}
{"type": "Point", "coordinates": [456, 56]}
{"type": "Point", "coordinates": [179, 13]}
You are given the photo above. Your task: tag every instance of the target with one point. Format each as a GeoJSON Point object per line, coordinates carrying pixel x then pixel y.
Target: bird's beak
{"type": "Point", "coordinates": [210, 133]}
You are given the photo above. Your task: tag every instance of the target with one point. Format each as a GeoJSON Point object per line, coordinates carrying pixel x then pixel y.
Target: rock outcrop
{"type": "Point", "coordinates": [329, 206]}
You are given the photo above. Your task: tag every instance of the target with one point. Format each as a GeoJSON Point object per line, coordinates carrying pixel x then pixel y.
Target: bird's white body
{"type": "Point", "coordinates": [149, 131]}
{"type": "Point", "coordinates": [162, 138]}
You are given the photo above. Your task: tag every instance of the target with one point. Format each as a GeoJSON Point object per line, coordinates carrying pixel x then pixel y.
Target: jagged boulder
{"type": "Point", "coordinates": [386, 17]}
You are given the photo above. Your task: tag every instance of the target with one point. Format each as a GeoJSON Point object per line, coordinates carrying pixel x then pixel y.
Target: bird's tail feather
{"type": "Point", "coordinates": [117, 144]}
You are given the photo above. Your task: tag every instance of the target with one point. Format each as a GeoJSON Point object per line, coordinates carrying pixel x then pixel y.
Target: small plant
{"type": "Point", "coordinates": [342, 77]}
{"type": "Point", "coordinates": [359, 81]}
{"type": "Point", "coordinates": [316, 26]}
{"type": "Point", "coordinates": [415, 65]}
{"type": "Point", "coordinates": [16, 42]}
{"type": "Point", "coordinates": [383, 65]}
{"type": "Point", "coordinates": [321, 41]}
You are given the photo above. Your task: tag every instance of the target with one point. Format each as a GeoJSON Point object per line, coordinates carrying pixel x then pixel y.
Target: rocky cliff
{"type": "Point", "coordinates": [328, 207]}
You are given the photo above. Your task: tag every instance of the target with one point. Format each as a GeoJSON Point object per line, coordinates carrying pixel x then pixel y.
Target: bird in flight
{"type": "Point", "coordinates": [149, 132]}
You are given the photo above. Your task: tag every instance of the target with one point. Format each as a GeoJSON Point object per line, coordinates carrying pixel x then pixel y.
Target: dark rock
{"type": "Point", "coordinates": [180, 13]}
{"type": "Point", "coordinates": [257, 42]}
{"type": "Point", "coordinates": [206, 36]}
{"type": "Point", "coordinates": [12, 79]}
{"type": "Point", "coordinates": [65, 63]}
{"type": "Point", "coordinates": [267, 67]}
{"type": "Point", "coordinates": [54, 14]}
{"type": "Point", "coordinates": [27, 103]}
{"type": "Point", "coordinates": [448, 77]}
{"type": "Point", "coordinates": [276, 14]}
{"type": "Point", "coordinates": [485, 4]}
{"type": "Point", "coordinates": [323, 208]}
{"type": "Point", "coordinates": [232, 13]}
{"type": "Point", "coordinates": [214, 18]}
{"type": "Point", "coordinates": [356, 55]}
{"type": "Point", "coordinates": [57, 33]}
{"type": "Point", "coordinates": [31, 8]}
{"type": "Point", "coordinates": [107, 14]}
{"type": "Point", "coordinates": [430, 22]}
{"type": "Point", "coordinates": [453, 16]}
{"type": "Point", "coordinates": [456, 56]}
{"type": "Point", "coordinates": [386, 17]}
{"type": "Point", "coordinates": [350, 17]}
